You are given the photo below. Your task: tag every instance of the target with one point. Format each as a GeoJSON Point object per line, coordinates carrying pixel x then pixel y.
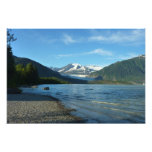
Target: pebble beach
{"type": "Point", "coordinates": [34, 108]}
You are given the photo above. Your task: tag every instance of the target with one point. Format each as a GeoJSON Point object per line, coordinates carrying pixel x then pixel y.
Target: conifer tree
{"type": "Point", "coordinates": [21, 75]}
{"type": "Point", "coordinates": [31, 74]}
{"type": "Point", "coordinates": [11, 82]}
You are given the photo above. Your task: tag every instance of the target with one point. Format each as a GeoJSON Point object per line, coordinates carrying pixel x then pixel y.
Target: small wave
{"type": "Point", "coordinates": [89, 89]}
{"type": "Point", "coordinates": [107, 93]}
{"type": "Point", "coordinates": [109, 103]}
{"type": "Point", "coordinates": [124, 111]}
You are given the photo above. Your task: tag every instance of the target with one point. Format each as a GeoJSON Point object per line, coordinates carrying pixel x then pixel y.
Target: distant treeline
{"type": "Point", "coordinates": [28, 75]}
{"type": "Point", "coordinates": [52, 80]}
{"type": "Point", "coordinates": [109, 82]}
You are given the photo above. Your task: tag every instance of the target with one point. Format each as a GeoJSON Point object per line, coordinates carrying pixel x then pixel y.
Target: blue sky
{"type": "Point", "coordinates": [59, 47]}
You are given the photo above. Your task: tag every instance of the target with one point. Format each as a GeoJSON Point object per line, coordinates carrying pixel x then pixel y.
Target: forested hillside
{"type": "Point", "coordinates": [42, 70]}
{"type": "Point", "coordinates": [131, 70]}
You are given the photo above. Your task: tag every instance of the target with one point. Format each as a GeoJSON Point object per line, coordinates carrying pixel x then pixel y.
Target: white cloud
{"type": "Point", "coordinates": [133, 36]}
{"type": "Point", "coordinates": [100, 52]}
{"type": "Point", "coordinates": [67, 39]}
{"type": "Point", "coordinates": [97, 38]}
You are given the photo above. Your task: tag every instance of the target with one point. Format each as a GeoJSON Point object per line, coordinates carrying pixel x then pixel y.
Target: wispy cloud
{"type": "Point", "coordinates": [67, 39]}
{"type": "Point", "coordinates": [100, 52]}
{"type": "Point", "coordinates": [133, 36]}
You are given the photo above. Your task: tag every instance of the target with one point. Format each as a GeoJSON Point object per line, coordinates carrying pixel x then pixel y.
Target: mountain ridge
{"type": "Point", "coordinates": [76, 69]}
{"type": "Point", "coordinates": [131, 70]}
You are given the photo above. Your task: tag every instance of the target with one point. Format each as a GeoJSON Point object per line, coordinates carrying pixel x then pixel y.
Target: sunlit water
{"type": "Point", "coordinates": [100, 103]}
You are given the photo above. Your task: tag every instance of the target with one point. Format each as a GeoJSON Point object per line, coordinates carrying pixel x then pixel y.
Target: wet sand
{"type": "Point", "coordinates": [34, 108]}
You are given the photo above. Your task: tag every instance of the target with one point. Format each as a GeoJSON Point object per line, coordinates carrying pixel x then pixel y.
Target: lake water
{"type": "Point", "coordinates": [100, 103]}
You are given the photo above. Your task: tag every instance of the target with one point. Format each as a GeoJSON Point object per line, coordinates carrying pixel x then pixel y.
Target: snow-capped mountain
{"type": "Point", "coordinates": [78, 70]}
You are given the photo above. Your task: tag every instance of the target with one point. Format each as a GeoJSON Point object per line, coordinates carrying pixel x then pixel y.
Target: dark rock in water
{"type": "Point", "coordinates": [46, 88]}
{"type": "Point", "coordinates": [13, 91]}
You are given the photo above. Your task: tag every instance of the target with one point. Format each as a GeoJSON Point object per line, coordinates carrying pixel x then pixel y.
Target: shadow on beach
{"type": "Point", "coordinates": [29, 97]}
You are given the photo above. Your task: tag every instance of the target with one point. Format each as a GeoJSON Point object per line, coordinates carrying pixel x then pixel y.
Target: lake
{"type": "Point", "coordinates": [100, 103]}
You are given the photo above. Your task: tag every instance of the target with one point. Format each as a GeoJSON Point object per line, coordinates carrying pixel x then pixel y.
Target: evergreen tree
{"type": "Point", "coordinates": [31, 74]}
{"type": "Point", "coordinates": [21, 75]}
{"type": "Point", "coordinates": [11, 82]}
{"type": "Point", "coordinates": [20, 67]}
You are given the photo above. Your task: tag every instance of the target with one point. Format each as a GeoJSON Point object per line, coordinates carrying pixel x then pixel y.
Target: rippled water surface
{"type": "Point", "coordinates": [100, 103]}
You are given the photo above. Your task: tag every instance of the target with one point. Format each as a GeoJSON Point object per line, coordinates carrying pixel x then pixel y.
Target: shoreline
{"type": "Point", "coordinates": [36, 108]}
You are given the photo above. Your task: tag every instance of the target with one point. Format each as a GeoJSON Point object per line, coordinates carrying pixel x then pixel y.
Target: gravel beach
{"type": "Point", "coordinates": [33, 108]}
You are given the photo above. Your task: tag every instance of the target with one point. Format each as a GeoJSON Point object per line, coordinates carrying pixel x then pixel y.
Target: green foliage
{"type": "Point", "coordinates": [132, 70]}
{"type": "Point", "coordinates": [52, 80]}
{"type": "Point", "coordinates": [31, 74]}
{"type": "Point", "coordinates": [27, 75]}
{"type": "Point", "coordinates": [20, 67]}
{"type": "Point", "coordinates": [60, 80]}
{"type": "Point", "coordinates": [21, 74]}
